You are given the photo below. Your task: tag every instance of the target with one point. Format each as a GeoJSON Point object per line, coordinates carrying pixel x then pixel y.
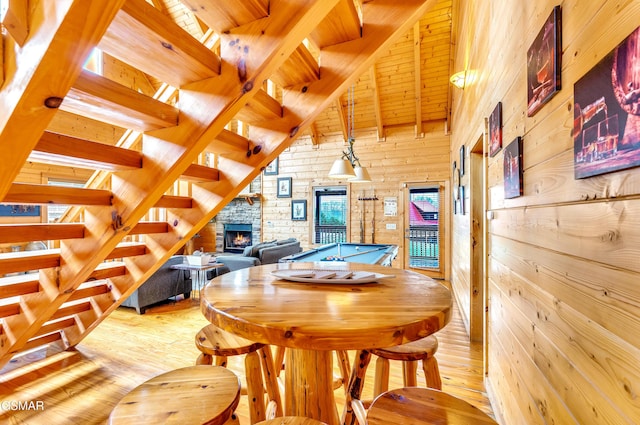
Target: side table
{"type": "Point", "coordinates": [198, 272]}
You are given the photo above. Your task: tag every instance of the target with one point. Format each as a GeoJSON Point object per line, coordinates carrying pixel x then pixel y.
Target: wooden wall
{"type": "Point", "coordinates": [401, 158]}
{"type": "Point", "coordinates": [563, 269]}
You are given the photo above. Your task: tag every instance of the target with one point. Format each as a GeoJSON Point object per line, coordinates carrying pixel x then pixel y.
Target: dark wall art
{"type": "Point", "coordinates": [606, 110]}
{"type": "Point", "coordinates": [19, 210]}
{"type": "Point", "coordinates": [495, 130]}
{"type": "Point", "coordinates": [543, 63]}
{"type": "Point", "coordinates": [513, 183]}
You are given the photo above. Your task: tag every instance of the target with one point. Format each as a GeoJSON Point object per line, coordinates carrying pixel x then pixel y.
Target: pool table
{"type": "Point", "coordinates": [352, 252]}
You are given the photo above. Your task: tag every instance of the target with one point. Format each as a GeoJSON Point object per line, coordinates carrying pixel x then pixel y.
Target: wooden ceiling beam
{"type": "Point", "coordinates": [417, 68]}
{"type": "Point", "coordinates": [147, 39]}
{"type": "Point", "coordinates": [376, 103]}
{"type": "Point", "coordinates": [69, 151]}
{"type": "Point", "coordinates": [225, 15]}
{"type": "Point", "coordinates": [101, 99]}
{"type": "Point", "coordinates": [60, 39]}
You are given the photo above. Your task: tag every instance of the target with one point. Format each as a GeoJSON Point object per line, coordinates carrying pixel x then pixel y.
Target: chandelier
{"type": "Point", "coordinates": [348, 166]}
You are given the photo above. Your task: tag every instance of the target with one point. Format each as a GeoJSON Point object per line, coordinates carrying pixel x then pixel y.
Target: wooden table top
{"type": "Point", "coordinates": [253, 303]}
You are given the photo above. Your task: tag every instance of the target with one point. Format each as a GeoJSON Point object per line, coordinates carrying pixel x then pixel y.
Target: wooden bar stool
{"type": "Point", "coordinates": [419, 406]}
{"type": "Point", "coordinates": [216, 345]}
{"type": "Point", "coordinates": [423, 349]}
{"type": "Point", "coordinates": [169, 398]}
{"type": "Point", "coordinates": [291, 420]}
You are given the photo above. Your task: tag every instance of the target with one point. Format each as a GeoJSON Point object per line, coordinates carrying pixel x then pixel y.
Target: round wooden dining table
{"type": "Point", "coordinates": [313, 319]}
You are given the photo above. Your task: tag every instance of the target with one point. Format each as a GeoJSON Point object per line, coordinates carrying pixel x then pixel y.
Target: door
{"type": "Point", "coordinates": [424, 215]}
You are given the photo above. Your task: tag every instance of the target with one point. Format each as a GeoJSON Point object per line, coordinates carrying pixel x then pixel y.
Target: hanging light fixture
{"type": "Point", "coordinates": [348, 166]}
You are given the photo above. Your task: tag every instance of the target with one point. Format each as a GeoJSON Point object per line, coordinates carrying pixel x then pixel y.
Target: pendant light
{"type": "Point", "coordinates": [348, 166]}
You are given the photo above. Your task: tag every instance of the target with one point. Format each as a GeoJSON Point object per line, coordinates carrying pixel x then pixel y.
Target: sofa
{"type": "Point", "coordinates": [165, 283]}
{"type": "Point", "coordinates": [261, 253]}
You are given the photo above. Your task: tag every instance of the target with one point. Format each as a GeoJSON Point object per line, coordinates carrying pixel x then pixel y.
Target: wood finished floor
{"type": "Point", "coordinates": [82, 386]}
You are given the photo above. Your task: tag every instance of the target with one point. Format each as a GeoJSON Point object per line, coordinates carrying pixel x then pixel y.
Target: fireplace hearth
{"type": "Point", "coordinates": [237, 237]}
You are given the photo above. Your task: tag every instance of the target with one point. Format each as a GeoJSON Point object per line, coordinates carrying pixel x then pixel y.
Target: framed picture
{"type": "Point", "coordinates": [495, 130]}
{"type": "Point", "coordinates": [284, 187]}
{"type": "Point", "coordinates": [272, 168]}
{"type": "Point", "coordinates": [606, 113]}
{"type": "Point", "coordinates": [19, 210]}
{"type": "Point", "coordinates": [299, 209]}
{"type": "Point", "coordinates": [455, 191]}
{"type": "Point", "coordinates": [461, 200]}
{"type": "Point", "coordinates": [462, 160]}
{"type": "Point", "coordinates": [513, 169]}
{"type": "Point", "coordinates": [543, 63]}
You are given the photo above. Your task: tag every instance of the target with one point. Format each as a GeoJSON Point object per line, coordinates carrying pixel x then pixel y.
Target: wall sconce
{"type": "Point", "coordinates": [458, 79]}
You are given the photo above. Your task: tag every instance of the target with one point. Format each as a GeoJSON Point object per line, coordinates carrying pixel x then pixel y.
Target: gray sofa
{"type": "Point", "coordinates": [166, 283]}
{"type": "Point", "coordinates": [163, 284]}
{"type": "Point", "coordinates": [261, 253]}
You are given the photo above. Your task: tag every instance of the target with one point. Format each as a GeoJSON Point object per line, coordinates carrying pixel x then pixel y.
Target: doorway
{"type": "Point", "coordinates": [477, 202]}
{"type": "Point", "coordinates": [424, 214]}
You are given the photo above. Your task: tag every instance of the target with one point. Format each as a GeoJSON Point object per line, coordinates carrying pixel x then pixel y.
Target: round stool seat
{"type": "Point", "coordinates": [411, 351]}
{"type": "Point", "coordinates": [214, 341]}
{"type": "Point", "coordinates": [291, 420]}
{"type": "Point", "coordinates": [170, 398]}
{"type": "Point", "coordinates": [424, 406]}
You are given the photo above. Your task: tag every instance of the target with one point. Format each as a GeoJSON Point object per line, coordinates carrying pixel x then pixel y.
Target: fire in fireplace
{"type": "Point", "coordinates": [237, 237]}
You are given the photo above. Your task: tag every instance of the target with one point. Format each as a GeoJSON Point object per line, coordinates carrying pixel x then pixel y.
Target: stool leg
{"type": "Point", "coordinates": [279, 360]}
{"type": "Point", "coordinates": [255, 391]}
{"type": "Point", "coordinates": [432, 373]}
{"type": "Point", "coordinates": [221, 361]}
{"type": "Point", "coordinates": [270, 375]}
{"type": "Point", "coordinates": [345, 367]}
{"type": "Point", "coordinates": [409, 370]}
{"type": "Point", "coordinates": [204, 359]}
{"type": "Point", "coordinates": [381, 383]}
{"type": "Point", "coordinates": [356, 383]}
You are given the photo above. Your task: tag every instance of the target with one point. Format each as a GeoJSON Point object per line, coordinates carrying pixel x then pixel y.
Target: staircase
{"type": "Point", "coordinates": [178, 163]}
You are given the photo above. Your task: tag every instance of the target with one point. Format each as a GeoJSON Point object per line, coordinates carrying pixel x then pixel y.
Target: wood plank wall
{"type": "Point", "coordinates": [563, 269]}
{"type": "Point", "coordinates": [401, 158]}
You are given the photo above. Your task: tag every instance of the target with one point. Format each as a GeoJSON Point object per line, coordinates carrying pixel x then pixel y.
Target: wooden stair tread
{"type": "Point", "coordinates": [342, 24]}
{"type": "Point", "coordinates": [214, 341]}
{"type": "Point", "coordinates": [261, 108]}
{"type": "Point", "coordinates": [23, 193]}
{"type": "Point", "coordinates": [11, 233]}
{"type": "Point", "coordinates": [225, 16]}
{"type": "Point", "coordinates": [145, 38]}
{"type": "Point", "coordinates": [64, 150]}
{"type": "Point", "coordinates": [99, 98]}
{"type": "Point", "coordinates": [300, 68]}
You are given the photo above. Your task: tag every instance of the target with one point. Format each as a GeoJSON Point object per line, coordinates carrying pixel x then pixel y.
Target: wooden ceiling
{"type": "Point", "coordinates": [407, 86]}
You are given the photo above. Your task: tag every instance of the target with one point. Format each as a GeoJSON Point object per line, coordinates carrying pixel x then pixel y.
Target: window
{"type": "Point", "coordinates": [330, 214]}
{"type": "Point", "coordinates": [424, 227]}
